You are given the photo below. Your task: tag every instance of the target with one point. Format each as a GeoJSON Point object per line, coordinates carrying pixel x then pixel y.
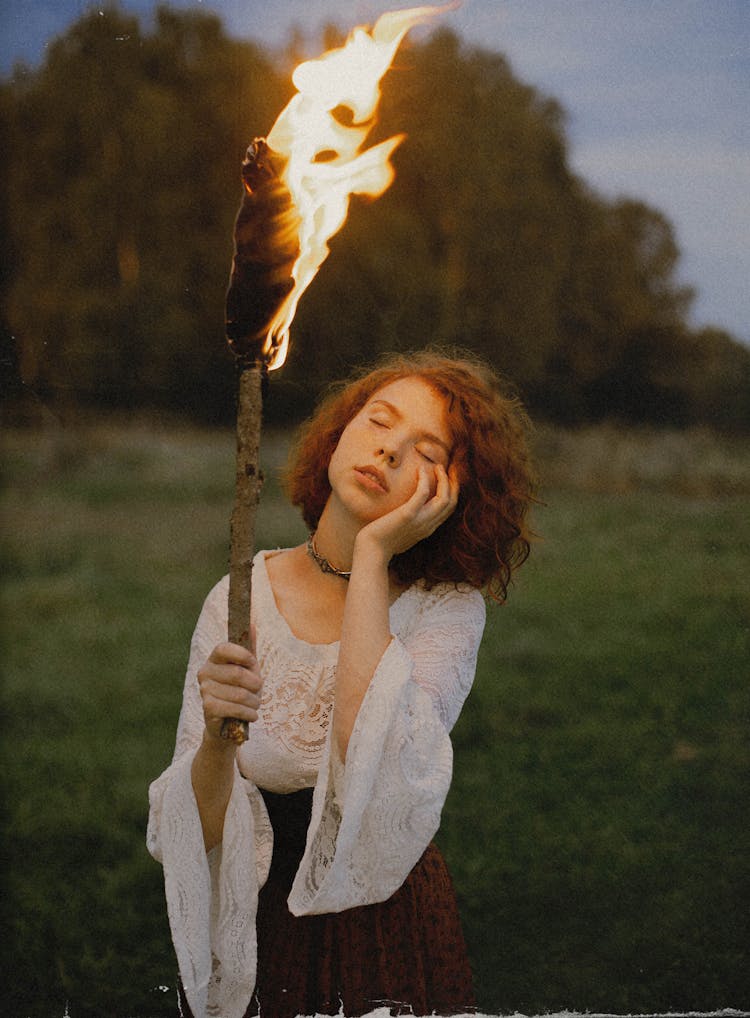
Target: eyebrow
{"type": "Point", "coordinates": [427, 435]}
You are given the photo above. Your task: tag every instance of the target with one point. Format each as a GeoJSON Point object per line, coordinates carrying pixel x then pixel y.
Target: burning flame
{"type": "Point", "coordinates": [325, 163]}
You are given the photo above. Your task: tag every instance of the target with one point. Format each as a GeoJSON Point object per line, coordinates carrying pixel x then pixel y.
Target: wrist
{"type": "Point", "coordinates": [217, 748]}
{"type": "Point", "coordinates": [369, 553]}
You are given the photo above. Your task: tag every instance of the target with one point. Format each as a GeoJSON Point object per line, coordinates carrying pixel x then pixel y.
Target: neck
{"type": "Point", "coordinates": [335, 537]}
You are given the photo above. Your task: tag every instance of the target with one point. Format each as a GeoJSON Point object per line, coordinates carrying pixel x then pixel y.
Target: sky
{"type": "Point", "coordinates": [656, 94]}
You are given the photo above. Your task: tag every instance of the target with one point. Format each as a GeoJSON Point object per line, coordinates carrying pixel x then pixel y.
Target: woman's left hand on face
{"type": "Point", "coordinates": [431, 503]}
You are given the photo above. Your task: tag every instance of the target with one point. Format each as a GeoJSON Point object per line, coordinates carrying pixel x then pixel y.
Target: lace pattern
{"type": "Point", "coordinates": [373, 814]}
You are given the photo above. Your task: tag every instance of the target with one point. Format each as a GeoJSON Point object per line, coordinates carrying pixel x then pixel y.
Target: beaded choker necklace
{"type": "Point", "coordinates": [323, 564]}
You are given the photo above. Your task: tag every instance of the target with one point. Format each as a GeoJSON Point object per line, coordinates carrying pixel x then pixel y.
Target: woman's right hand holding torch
{"type": "Point", "coordinates": [230, 683]}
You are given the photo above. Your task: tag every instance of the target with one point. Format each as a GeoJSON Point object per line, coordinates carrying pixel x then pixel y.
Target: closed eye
{"type": "Point", "coordinates": [426, 457]}
{"type": "Point", "coordinates": [377, 423]}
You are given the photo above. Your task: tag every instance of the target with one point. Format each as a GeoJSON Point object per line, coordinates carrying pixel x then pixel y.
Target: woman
{"type": "Point", "coordinates": [299, 870]}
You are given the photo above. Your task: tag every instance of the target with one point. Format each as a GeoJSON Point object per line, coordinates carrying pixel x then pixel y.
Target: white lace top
{"type": "Point", "coordinates": [372, 816]}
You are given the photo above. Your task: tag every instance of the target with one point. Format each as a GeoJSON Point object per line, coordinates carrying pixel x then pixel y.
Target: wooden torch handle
{"type": "Point", "coordinates": [242, 528]}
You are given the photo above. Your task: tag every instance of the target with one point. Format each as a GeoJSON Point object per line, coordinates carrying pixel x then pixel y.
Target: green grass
{"type": "Point", "coordinates": [597, 825]}
{"type": "Point", "coordinates": [603, 764]}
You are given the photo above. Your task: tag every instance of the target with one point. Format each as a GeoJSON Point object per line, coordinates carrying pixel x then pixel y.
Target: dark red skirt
{"type": "Point", "coordinates": [407, 953]}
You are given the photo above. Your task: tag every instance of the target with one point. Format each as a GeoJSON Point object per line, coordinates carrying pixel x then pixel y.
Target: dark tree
{"type": "Point", "coordinates": [123, 181]}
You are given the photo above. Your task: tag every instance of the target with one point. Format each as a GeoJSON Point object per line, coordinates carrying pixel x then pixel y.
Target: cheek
{"type": "Point", "coordinates": [332, 464]}
{"type": "Point", "coordinates": [341, 451]}
{"type": "Point", "coordinates": [410, 478]}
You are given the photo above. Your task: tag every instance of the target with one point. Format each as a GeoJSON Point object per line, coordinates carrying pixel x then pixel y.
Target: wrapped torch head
{"type": "Point", "coordinates": [266, 245]}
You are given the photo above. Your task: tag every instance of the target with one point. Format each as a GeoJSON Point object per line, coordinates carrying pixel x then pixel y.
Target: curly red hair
{"type": "Point", "coordinates": [487, 536]}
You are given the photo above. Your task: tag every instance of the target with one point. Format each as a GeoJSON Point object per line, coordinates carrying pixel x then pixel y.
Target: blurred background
{"type": "Point", "coordinates": [602, 760]}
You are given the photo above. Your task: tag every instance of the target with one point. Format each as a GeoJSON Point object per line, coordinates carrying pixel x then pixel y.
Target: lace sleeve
{"type": "Point", "coordinates": [211, 900]}
{"type": "Point", "coordinates": [210, 630]}
{"type": "Point", "coordinates": [373, 818]}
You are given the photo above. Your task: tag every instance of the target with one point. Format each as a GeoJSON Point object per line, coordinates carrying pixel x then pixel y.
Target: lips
{"type": "Point", "coordinates": [372, 478]}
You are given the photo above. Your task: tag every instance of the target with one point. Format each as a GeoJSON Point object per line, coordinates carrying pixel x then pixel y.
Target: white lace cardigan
{"type": "Point", "coordinates": [372, 816]}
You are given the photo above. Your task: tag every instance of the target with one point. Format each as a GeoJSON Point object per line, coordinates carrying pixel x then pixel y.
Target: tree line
{"type": "Point", "coordinates": [122, 181]}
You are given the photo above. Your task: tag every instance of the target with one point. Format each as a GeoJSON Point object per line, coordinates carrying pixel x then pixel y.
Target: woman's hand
{"type": "Point", "coordinates": [365, 629]}
{"type": "Point", "coordinates": [230, 684]}
{"type": "Point", "coordinates": [432, 502]}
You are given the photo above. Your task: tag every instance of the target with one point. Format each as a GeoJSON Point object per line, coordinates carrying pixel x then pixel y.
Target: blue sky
{"type": "Point", "coordinates": [656, 94]}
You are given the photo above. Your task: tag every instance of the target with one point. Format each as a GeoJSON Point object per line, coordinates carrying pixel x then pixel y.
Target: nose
{"type": "Point", "coordinates": [389, 454]}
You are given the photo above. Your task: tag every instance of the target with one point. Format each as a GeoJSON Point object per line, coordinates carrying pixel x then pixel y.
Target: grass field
{"type": "Point", "coordinates": [597, 827]}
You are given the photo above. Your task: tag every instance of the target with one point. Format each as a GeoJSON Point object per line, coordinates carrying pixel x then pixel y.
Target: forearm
{"type": "Point", "coordinates": [212, 776]}
{"type": "Point", "coordinates": [365, 635]}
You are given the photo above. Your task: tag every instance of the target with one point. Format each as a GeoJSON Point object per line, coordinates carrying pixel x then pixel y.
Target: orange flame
{"type": "Point", "coordinates": [325, 162]}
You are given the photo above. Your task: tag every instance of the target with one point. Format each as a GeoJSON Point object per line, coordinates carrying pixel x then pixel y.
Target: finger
{"type": "Point", "coordinates": [220, 709]}
{"type": "Point", "coordinates": [231, 675]}
{"type": "Point", "coordinates": [232, 653]}
{"type": "Point", "coordinates": [425, 501]}
{"type": "Point", "coordinates": [229, 702]}
{"type": "Point", "coordinates": [244, 678]}
{"type": "Point", "coordinates": [426, 482]}
{"type": "Point", "coordinates": [232, 696]}
{"type": "Point", "coordinates": [454, 487]}
{"type": "Point", "coordinates": [226, 675]}
{"type": "Point", "coordinates": [442, 497]}
{"type": "Point", "coordinates": [442, 490]}
{"type": "Point", "coordinates": [418, 497]}
{"type": "Point", "coordinates": [444, 501]}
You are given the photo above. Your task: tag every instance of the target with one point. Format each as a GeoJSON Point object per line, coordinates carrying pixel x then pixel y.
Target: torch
{"type": "Point", "coordinates": [266, 247]}
{"type": "Point", "coordinates": [297, 187]}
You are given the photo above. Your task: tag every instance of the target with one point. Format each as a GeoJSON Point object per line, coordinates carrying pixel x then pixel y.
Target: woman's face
{"type": "Point", "coordinates": [402, 428]}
